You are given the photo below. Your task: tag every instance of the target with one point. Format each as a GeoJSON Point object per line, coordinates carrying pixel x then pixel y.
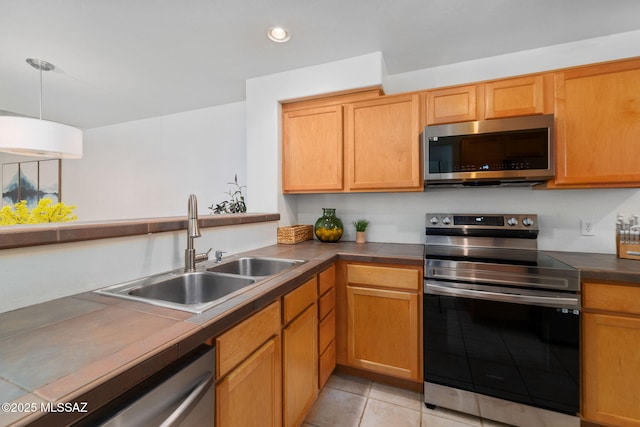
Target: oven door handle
{"type": "Point", "coordinates": [561, 302]}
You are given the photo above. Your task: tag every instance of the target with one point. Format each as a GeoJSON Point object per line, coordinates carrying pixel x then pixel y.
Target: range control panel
{"type": "Point", "coordinates": [482, 221]}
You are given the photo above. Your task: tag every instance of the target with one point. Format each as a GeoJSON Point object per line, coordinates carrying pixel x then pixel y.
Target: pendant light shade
{"type": "Point", "coordinates": [36, 137]}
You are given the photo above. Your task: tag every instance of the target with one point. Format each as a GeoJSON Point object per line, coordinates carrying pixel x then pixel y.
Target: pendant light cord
{"type": "Point", "coordinates": [40, 65]}
{"type": "Point", "coordinates": [40, 93]}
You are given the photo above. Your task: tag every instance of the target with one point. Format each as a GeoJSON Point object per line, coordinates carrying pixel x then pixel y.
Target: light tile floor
{"type": "Point", "coordinates": [348, 401]}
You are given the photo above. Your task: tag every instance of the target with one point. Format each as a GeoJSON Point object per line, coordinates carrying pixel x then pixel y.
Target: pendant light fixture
{"type": "Point", "coordinates": [36, 137]}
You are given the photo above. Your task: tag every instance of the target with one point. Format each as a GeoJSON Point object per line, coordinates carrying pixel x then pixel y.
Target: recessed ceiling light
{"type": "Point", "coordinates": [278, 34]}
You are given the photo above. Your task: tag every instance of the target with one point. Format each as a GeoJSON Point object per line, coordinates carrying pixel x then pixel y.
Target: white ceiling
{"type": "Point", "coordinates": [121, 60]}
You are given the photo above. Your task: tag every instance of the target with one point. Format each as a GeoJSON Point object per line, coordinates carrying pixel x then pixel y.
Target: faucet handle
{"type": "Point", "coordinates": [219, 255]}
{"type": "Point", "coordinates": [203, 257]}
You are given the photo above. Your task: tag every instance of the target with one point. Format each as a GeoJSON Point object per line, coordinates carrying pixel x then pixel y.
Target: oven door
{"type": "Point", "coordinates": [503, 347]}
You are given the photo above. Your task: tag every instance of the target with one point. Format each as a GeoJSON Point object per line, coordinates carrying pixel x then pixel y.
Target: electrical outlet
{"type": "Point", "coordinates": [587, 227]}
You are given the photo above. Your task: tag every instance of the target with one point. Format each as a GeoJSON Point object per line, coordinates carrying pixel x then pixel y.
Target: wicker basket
{"type": "Point", "coordinates": [295, 234]}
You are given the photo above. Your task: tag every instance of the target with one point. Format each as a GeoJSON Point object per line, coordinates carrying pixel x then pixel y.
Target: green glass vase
{"type": "Point", "coordinates": [328, 228]}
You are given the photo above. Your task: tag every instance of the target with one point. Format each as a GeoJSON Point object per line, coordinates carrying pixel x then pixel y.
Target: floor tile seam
{"type": "Point", "coordinates": [395, 404]}
{"type": "Point", "coordinates": [366, 396]}
{"type": "Point", "coordinates": [419, 411]}
{"type": "Point", "coordinates": [364, 409]}
{"type": "Point", "coordinates": [451, 418]}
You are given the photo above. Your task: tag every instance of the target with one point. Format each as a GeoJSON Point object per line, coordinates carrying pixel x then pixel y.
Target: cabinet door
{"type": "Point", "coordinates": [382, 331]}
{"type": "Point", "coordinates": [611, 369]}
{"type": "Point", "coordinates": [251, 395]}
{"type": "Point", "coordinates": [300, 354]}
{"type": "Point", "coordinates": [382, 140]}
{"type": "Point", "coordinates": [519, 97]}
{"type": "Point", "coordinates": [598, 125]}
{"type": "Point", "coordinates": [312, 150]}
{"type": "Point", "coordinates": [239, 342]}
{"type": "Point", "coordinates": [450, 105]}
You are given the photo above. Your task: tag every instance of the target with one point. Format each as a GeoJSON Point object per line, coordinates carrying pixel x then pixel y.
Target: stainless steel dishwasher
{"type": "Point", "coordinates": [185, 398]}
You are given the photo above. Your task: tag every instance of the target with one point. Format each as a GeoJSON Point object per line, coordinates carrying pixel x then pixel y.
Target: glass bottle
{"type": "Point", "coordinates": [328, 228]}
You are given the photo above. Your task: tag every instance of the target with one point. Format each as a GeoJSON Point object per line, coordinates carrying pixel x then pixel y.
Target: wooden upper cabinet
{"type": "Point", "coordinates": [519, 96]}
{"type": "Point", "coordinates": [598, 125]}
{"type": "Point", "coordinates": [454, 104]}
{"type": "Point", "coordinates": [352, 144]}
{"type": "Point", "coordinates": [382, 139]}
{"type": "Point", "coordinates": [312, 150]}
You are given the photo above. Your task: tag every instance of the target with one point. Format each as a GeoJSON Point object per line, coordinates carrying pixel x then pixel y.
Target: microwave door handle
{"type": "Point", "coordinates": [189, 402]}
{"type": "Point", "coordinates": [560, 302]}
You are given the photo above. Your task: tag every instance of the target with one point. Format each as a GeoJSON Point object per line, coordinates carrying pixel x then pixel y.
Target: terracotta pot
{"type": "Point", "coordinates": [360, 236]}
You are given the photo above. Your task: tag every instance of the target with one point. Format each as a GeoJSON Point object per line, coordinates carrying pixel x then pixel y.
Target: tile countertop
{"type": "Point", "coordinates": [90, 348]}
{"type": "Point", "coordinates": [606, 267]}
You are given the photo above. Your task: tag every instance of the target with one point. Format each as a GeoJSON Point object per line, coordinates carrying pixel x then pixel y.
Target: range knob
{"type": "Point", "coordinates": [527, 222]}
{"type": "Point", "coordinates": [446, 220]}
{"type": "Point", "coordinates": [512, 221]}
{"type": "Point", "coordinates": [434, 220]}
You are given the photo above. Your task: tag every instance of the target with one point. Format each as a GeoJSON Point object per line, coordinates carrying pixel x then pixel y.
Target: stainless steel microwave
{"type": "Point", "coordinates": [510, 151]}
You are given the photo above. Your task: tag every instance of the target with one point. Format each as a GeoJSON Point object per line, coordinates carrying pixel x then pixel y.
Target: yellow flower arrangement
{"type": "Point", "coordinates": [46, 211]}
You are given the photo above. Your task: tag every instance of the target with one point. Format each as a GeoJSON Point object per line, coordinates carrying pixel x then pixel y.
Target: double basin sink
{"type": "Point", "coordinates": [198, 291]}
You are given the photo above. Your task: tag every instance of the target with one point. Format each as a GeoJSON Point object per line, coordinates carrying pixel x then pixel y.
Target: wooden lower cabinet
{"type": "Point", "coordinates": [300, 352]}
{"type": "Point", "coordinates": [383, 331]}
{"type": "Point", "coordinates": [300, 362]}
{"type": "Point", "coordinates": [326, 324]}
{"type": "Point", "coordinates": [251, 395]}
{"type": "Point", "coordinates": [383, 320]}
{"type": "Point", "coordinates": [249, 371]}
{"type": "Point", "coordinates": [610, 354]}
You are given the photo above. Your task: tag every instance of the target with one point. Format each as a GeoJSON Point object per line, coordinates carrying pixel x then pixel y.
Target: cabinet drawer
{"type": "Point", "coordinates": [389, 277]}
{"type": "Point", "coordinates": [619, 298]}
{"type": "Point", "coordinates": [327, 364]}
{"type": "Point", "coordinates": [327, 303]}
{"type": "Point", "coordinates": [327, 331]}
{"type": "Point", "coordinates": [326, 279]}
{"type": "Point", "coordinates": [239, 342]}
{"type": "Point", "coordinates": [297, 300]}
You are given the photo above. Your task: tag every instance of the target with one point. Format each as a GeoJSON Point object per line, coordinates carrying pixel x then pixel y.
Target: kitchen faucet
{"type": "Point", "coordinates": [193, 231]}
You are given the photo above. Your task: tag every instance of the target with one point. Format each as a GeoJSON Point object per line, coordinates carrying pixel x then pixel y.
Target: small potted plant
{"type": "Point", "coordinates": [361, 227]}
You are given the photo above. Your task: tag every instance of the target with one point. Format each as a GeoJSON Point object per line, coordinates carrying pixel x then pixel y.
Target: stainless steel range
{"type": "Point", "coordinates": [501, 321]}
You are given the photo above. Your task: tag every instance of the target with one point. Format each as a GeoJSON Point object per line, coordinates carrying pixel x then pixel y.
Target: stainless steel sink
{"type": "Point", "coordinates": [198, 291]}
{"type": "Point", "coordinates": [256, 266]}
{"type": "Point", "coordinates": [192, 291]}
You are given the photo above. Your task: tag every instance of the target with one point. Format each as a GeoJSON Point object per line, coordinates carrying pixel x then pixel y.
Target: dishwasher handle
{"type": "Point", "coordinates": [189, 402]}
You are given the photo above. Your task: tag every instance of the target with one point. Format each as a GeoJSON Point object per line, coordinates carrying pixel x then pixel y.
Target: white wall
{"type": "Point", "coordinates": [148, 168]}
{"type": "Point", "coordinates": [41, 273]}
{"type": "Point", "coordinates": [264, 120]}
{"type": "Point", "coordinates": [145, 168]}
{"type": "Point", "coordinates": [399, 217]}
